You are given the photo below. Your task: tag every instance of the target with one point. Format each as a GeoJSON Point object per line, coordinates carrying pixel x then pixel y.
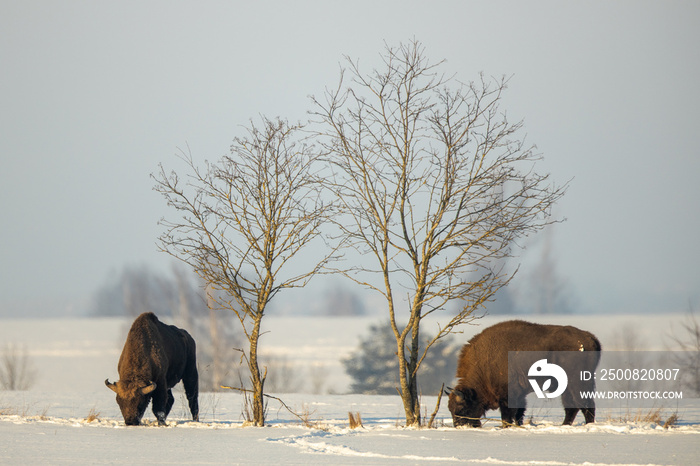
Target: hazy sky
{"type": "Point", "coordinates": [94, 95]}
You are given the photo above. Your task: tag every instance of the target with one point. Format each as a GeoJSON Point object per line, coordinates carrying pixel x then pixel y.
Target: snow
{"type": "Point", "coordinates": [48, 424]}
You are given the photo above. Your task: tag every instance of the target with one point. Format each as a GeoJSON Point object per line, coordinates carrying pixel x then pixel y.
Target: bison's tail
{"type": "Point", "coordinates": [597, 347]}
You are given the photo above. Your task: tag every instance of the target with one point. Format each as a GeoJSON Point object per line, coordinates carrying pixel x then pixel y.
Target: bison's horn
{"type": "Point", "coordinates": [148, 388]}
{"type": "Point", "coordinates": [111, 386]}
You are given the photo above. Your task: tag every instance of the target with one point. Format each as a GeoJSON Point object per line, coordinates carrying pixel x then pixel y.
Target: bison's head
{"type": "Point", "coordinates": [132, 398]}
{"type": "Point", "coordinates": [465, 407]}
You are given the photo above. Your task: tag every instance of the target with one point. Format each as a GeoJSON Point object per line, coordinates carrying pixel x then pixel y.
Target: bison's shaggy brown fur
{"type": "Point", "coordinates": [155, 357]}
{"type": "Point", "coordinates": [482, 370]}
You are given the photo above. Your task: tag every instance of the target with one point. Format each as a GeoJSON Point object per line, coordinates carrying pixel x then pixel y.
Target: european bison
{"type": "Point", "coordinates": [482, 371]}
{"type": "Point", "coordinates": [155, 357]}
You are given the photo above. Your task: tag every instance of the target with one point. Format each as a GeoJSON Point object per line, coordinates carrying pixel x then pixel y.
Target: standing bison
{"type": "Point", "coordinates": [482, 371]}
{"type": "Point", "coordinates": [155, 357]}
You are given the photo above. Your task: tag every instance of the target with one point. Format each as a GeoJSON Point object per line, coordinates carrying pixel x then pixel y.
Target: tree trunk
{"type": "Point", "coordinates": [410, 393]}
{"type": "Point", "coordinates": [408, 386]}
{"type": "Point", "coordinates": [413, 373]}
{"type": "Point", "coordinates": [256, 378]}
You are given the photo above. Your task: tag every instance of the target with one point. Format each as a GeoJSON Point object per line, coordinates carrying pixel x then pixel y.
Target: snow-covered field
{"type": "Point", "coordinates": [49, 423]}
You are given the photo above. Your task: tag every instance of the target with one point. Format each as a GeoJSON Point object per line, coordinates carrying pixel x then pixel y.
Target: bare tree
{"type": "Point", "coordinates": [546, 291]}
{"type": "Point", "coordinates": [433, 183]}
{"type": "Point", "coordinates": [242, 221]}
{"type": "Point", "coordinates": [134, 290]}
{"type": "Point", "coordinates": [338, 301]}
{"type": "Point", "coordinates": [17, 371]}
{"type": "Point", "coordinates": [687, 354]}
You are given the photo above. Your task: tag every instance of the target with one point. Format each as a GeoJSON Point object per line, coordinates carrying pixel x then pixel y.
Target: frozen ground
{"type": "Point", "coordinates": [51, 428]}
{"type": "Point", "coordinates": [48, 424]}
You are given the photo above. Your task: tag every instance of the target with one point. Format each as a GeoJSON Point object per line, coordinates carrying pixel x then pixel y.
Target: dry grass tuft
{"type": "Point", "coordinates": [92, 416]}
{"type": "Point", "coordinates": [355, 420]}
{"type": "Point", "coordinates": [43, 414]}
{"type": "Point", "coordinates": [671, 421]}
{"type": "Point", "coordinates": [305, 418]}
{"type": "Point", "coordinates": [7, 411]}
{"type": "Point", "coordinates": [653, 415]}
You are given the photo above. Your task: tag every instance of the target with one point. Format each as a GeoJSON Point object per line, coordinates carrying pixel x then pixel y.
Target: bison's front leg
{"type": "Point", "coordinates": [511, 416]}
{"type": "Point", "coordinates": [162, 404]}
{"type": "Point", "coordinates": [589, 414]}
{"type": "Point", "coordinates": [169, 403]}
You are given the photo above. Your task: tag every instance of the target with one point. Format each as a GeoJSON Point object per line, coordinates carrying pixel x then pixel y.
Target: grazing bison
{"type": "Point", "coordinates": [155, 357]}
{"type": "Point", "coordinates": [482, 371]}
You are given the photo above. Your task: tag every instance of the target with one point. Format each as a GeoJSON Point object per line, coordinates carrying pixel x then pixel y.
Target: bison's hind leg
{"type": "Point", "coordinates": [191, 383]}
{"type": "Point", "coordinates": [589, 414]}
{"type": "Point", "coordinates": [519, 415]}
{"type": "Point", "coordinates": [569, 416]}
{"type": "Point", "coordinates": [194, 408]}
